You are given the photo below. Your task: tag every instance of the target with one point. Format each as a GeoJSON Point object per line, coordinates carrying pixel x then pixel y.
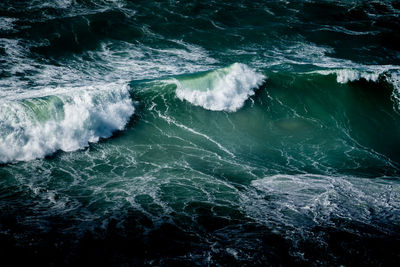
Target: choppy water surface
{"type": "Point", "coordinates": [199, 133]}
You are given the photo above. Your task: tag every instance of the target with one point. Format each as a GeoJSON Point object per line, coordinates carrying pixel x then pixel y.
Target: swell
{"type": "Point", "coordinates": [375, 74]}
{"type": "Point", "coordinates": [227, 89]}
{"type": "Point", "coordinates": [36, 127]}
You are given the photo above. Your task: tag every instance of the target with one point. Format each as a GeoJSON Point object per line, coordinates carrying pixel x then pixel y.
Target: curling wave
{"type": "Point", "coordinates": [222, 89]}
{"type": "Point", "coordinates": [35, 127]}
{"type": "Point", "coordinates": [387, 73]}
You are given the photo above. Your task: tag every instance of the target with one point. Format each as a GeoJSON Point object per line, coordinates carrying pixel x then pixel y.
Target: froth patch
{"type": "Point", "coordinates": [350, 75]}
{"type": "Point", "coordinates": [7, 24]}
{"type": "Point", "coordinates": [224, 89]}
{"type": "Point", "coordinates": [304, 200]}
{"type": "Point", "coordinates": [34, 128]}
{"type": "Point", "coordinates": [395, 80]}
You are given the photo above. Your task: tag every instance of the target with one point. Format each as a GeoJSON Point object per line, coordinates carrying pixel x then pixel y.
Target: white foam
{"type": "Point", "coordinates": [131, 61]}
{"type": "Point", "coordinates": [344, 69]}
{"type": "Point", "coordinates": [394, 79]}
{"type": "Point", "coordinates": [311, 199]}
{"type": "Point", "coordinates": [389, 73]}
{"type": "Point", "coordinates": [54, 4]}
{"type": "Point", "coordinates": [223, 89]}
{"type": "Point", "coordinates": [7, 24]}
{"type": "Point", "coordinates": [34, 128]}
{"type": "Point", "coordinates": [350, 75]}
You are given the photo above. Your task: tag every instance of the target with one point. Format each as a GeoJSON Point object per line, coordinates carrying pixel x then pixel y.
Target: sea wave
{"type": "Point", "coordinates": [36, 127]}
{"type": "Point", "coordinates": [350, 75]}
{"type": "Point", "coordinates": [223, 89]}
{"type": "Point", "coordinates": [388, 73]}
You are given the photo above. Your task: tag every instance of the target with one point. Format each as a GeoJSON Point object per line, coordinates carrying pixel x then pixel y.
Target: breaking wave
{"type": "Point", "coordinates": [390, 74]}
{"type": "Point", "coordinates": [35, 127]}
{"type": "Point", "coordinates": [222, 89]}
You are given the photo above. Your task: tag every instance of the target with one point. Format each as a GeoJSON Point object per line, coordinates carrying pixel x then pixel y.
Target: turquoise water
{"type": "Point", "coordinates": [201, 133]}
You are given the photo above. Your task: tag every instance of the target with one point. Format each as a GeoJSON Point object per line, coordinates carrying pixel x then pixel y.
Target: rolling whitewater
{"type": "Point", "coordinates": [199, 133]}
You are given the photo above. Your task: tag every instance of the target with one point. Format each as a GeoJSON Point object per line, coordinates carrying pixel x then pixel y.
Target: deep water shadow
{"type": "Point", "coordinates": [132, 239]}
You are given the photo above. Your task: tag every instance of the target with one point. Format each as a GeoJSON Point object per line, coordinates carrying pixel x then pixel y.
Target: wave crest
{"type": "Point", "coordinates": [36, 127]}
{"type": "Point", "coordinates": [222, 89]}
{"type": "Point", "coordinates": [350, 75]}
{"type": "Point", "coordinates": [390, 74]}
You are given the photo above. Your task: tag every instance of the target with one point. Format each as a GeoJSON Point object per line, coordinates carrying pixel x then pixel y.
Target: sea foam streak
{"type": "Point", "coordinates": [35, 127]}
{"type": "Point", "coordinates": [223, 89]}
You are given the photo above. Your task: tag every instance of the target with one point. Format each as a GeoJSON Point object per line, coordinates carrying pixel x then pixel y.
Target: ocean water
{"type": "Point", "coordinates": [210, 133]}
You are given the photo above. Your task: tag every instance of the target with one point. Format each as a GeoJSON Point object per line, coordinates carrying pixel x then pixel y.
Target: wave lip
{"type": "Point", "coordinates": [223, 89]}
{"type": "Point", "coordinates": [36, 127]}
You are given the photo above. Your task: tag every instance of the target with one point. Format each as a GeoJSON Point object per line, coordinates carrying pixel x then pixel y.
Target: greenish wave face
{"type": "Point", "coordinates": [199, 133]}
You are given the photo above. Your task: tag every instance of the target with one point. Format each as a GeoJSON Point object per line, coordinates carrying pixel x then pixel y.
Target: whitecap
{"type": "Point", "coordinates": [36, 127]}
{"type": "Point", "coordinates": [223, 89]}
